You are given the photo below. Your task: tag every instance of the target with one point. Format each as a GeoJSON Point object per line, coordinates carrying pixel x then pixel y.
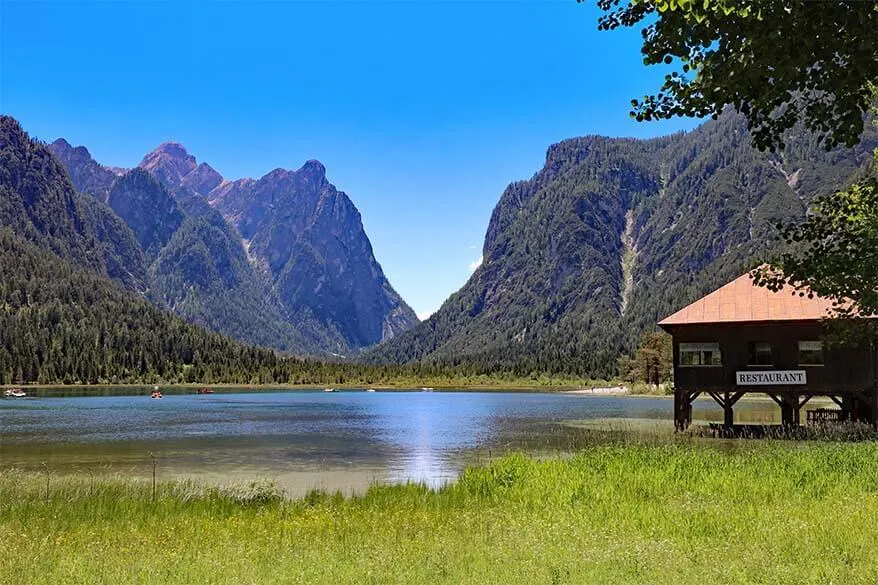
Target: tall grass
{"type": "Point", "coordinates": [676, 513]}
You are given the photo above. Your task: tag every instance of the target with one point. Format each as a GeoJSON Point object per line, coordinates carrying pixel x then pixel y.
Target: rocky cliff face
{"type": "Point", "coordinates": [39, 203]}
{"type": "Point", "coordinates": [147, 208]}
{"type": "Point", "coordinates": [613, 234]}
{"type": "Point", "coordinates": [281, 261]}
{"type": "Point", "coordinates": [87, 175]}
{"type": "Point", "coordinates": [310, 237]}
{"type": "Point", "coordinates": [174, 167]}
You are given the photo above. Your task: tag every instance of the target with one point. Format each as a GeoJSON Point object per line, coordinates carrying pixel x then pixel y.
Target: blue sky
{"type": "Point", "coordinates": [422, 112]}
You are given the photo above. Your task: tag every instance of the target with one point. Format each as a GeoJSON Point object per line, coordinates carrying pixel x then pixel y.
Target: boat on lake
{"type": "Point", "coordinates": [205, 390]}
{"type": "Point", "coordinates": [14, 393]}
{"type": "Point", "coordinates": [156, 393]}
{"type": "Point", "coordinates": [370, 389]}
{"type": "Point", "coordinates": [330, 390]}
{"type": "Point", "coordinates": [426, 389]}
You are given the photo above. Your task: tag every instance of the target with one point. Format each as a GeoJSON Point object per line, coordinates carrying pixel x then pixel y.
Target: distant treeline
{"type": "Point", "coordinates": [62, 324]}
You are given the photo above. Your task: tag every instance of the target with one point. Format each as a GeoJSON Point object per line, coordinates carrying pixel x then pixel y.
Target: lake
{"type": "Point", "coordinates": [342, 441]}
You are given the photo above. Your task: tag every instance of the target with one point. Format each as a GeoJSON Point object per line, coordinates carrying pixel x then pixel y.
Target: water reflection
{"type": "Point", "coordinates": [334, 441]}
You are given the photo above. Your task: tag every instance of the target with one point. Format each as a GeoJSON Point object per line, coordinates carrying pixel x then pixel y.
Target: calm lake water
{"type": "Point", "coordinates": [304, 440]}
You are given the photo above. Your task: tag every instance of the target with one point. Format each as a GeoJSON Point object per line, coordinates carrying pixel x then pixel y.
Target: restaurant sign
{"type": "Point", "coordinates": [771, 378]}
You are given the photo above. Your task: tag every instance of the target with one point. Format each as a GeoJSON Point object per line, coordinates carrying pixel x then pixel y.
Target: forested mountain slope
{"type": "Point", "coordinates": [39, 204]}
{"type": "Point", "coordinates": [87, 175]}
{"type": "Point", "coordinates": [302, 277]}
{"type": "Point", "coordinates": [310, 238]}
{"type": "Point", "coordinates": [175, 249]}
{"type": "Point", "coordinates": [203, 273]}
{"type": "Point", "coordinates": [613, 234]}
{"type": "Point", "coordinates": [64, 320]}
{"type": "Point", "coordinates": [60, 323]}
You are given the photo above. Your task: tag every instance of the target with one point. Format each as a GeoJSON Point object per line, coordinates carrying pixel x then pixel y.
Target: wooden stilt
{"type": "Point", "coordinates": [848, 407]}
{"type": "Point", "coordinates": [683, 409]}
{"type": "Point", "coordinates": [801, 404]}
{"type": "Point", "coordinates": [728, 412]}
{"type": "Point", "coordinates": [786, 412]}
{"type": "Point", "coordinates": [679, 424]}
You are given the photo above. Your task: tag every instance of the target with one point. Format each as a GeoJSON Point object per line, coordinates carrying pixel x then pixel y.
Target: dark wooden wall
{"type": "Point", "coordinates": [846, 369]}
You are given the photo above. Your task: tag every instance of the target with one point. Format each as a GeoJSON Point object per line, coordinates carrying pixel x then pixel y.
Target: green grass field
{"type": "Point", "coordinates": [766, 512]}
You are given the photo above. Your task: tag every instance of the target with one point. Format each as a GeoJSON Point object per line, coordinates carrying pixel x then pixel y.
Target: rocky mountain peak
{"type": "Point", "coordinates": [203, 179]}
{"type": "Point", "coordinates": [314, 168]}
{"type": "Point", "coordinates": [170, 163]}
{"type": "Point", "coordinates": [62, 146]}
{"type": "Point", "coordinates": [277, 175]}
{"type": "Point", "coordinates": [88, 175]}
{"type": "Point", "coordinates": [173, 150]}
{"type": "Point", "coordinates": [62, 143]}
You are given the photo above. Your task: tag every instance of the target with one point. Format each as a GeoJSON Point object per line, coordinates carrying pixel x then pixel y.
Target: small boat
{"type": "Point", "coordinates": [205, 390]}
{"type": "Point", "coordinates": [426, 389]}
{"type": "Point", "coordinates": [370, 389]}
{"type": "Point", "coordinates": [156, 393]}
{"type": "Point", "coordinates": [14, 393]}
{"type": "Point", "coordinates": [330, 390]}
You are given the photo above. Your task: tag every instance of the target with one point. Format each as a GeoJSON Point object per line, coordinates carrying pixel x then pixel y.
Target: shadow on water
{"type": "Point", "coordinates": [341, 441]}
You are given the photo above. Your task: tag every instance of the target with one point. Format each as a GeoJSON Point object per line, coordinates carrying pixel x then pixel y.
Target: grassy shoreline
{"type": "Point", "coordinates": [386, 387]}
{"type": "Point", "coordinates": [675, 513]}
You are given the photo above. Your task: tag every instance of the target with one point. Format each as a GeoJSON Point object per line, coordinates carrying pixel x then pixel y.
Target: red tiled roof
{"type": "Point", "coordinates": [741, 301]}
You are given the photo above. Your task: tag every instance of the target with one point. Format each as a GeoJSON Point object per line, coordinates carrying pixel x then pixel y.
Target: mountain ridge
{"type": "Point", "coordinates": [310, 270]}
{"type": "Point", "coordinates": [695, 209]}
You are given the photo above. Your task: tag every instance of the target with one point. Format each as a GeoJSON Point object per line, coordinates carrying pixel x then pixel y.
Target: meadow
{"type": "Point", "coordinates": [680, 512]}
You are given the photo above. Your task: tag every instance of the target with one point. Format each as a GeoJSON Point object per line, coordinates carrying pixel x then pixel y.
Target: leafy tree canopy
{"type": "Point", "coordinates": [776, 61]}
{"type": "Point", "coordinates": [834, 252]}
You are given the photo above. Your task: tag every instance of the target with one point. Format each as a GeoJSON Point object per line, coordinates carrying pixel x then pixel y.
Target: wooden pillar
{"type": "Point", "coordinates": [796, 409]}
{"type": "Point", "coordinates": [678, 410]}
{"type": "Point", "coordinates": [687, 410]}
{"type": "Point", "coordinates": [728, 412]}
{"type": "Point", "coordinates": [786, 411]}
{"type": "Point", "coordinates": [873, 391]}
{"type": "Point", "coordinates": [683, 409]}
{"type": "Point", "coordinates": [847, 408]}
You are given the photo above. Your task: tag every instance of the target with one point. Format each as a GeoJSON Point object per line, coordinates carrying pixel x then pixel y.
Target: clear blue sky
{"type": "Point", "coordinates": [422, 112]}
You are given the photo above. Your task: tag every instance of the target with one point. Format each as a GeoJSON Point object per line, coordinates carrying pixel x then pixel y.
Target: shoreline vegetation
{"type": "Point", "coordinates": [570, 386]}
{"type": "Point", "coordinates": [674, 511]}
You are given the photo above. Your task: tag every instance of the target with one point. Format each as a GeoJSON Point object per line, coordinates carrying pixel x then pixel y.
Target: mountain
{"type": "Point", "coordinates": [282, 261]}
{"type": "Point", "coordinates": [124, 259]}
{"type": "Point", "coordinates": [613, 234]}
{"type": "Point", "coordinates": [148, 209]}
{"type": "Point", "coordinates": [173, 166]}
{"type": "Point", "coordinates": [60, 323]}
{"type": "Point", "coordinates": [87, 175]}
{"type": "Point", "coordinates": [310, 238]}
{"type": "Point", "coordinates": [64, 320]}
{"type": "Point", "coordinates": [203, 274]}
{"type": "Point", "coordinates": [38, 203]}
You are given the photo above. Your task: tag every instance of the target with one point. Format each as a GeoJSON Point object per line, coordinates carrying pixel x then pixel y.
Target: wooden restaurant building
{"type": "Point", "coordinates": [743, 339]}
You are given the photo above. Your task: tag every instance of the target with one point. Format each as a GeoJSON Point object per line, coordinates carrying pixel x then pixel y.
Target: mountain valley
{"type": "Point", "coordinates": [612, 235]}
{"type": "Point", "coordinates": [282, 261]}
{"type": "Point", "coordinates": [608, 237]}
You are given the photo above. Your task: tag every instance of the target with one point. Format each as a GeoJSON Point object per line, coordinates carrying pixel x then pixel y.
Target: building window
{"type": "Point", "coordinates": [700, 354]}
{"type": "Point", "coordinates": [760, 354]}
{"type": "Point", "coordinates": [810, 353]}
